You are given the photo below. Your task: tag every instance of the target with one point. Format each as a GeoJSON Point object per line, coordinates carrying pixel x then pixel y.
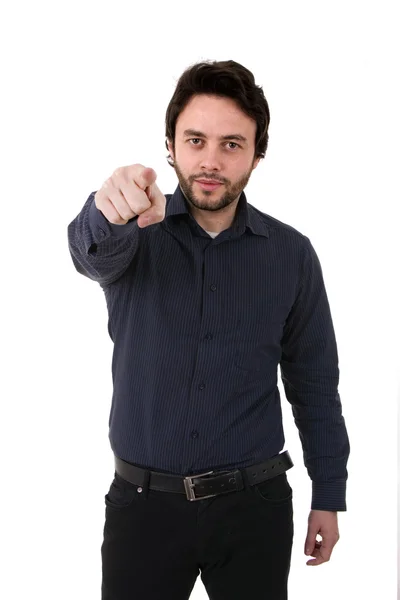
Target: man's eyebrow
{"type": "Point", "coordinates": [232, 136]}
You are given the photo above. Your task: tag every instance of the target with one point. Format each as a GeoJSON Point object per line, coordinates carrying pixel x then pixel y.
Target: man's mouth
{"type": "Point", "coordinates": [207, 184]}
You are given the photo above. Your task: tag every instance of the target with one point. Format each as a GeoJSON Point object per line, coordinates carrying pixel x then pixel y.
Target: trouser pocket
{"type": "Point", "coordinates": [122, 494]}
{"type": "Point", "coordinates": [275, 491]}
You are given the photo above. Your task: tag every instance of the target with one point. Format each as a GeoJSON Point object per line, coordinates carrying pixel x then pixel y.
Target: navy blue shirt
{"type": "Point", "coordinates": [199, 326]}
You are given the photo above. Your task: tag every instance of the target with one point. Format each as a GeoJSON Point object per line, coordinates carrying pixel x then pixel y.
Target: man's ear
{"type": "Point", "coordinates": [170, 149]}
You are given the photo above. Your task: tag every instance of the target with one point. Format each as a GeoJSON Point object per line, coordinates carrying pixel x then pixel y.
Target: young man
{"type": "Point", "coordinates": [206, 296]}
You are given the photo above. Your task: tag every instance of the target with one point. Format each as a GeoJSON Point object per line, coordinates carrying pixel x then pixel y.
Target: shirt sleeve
{"type": "Point", "coordinates": [99, 249]}
{"type": "Point", "coordinates": [310, 376]}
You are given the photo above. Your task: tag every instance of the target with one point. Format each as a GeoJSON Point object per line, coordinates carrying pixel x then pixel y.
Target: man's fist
{"type": "Point", "coordinates": [129, 192]}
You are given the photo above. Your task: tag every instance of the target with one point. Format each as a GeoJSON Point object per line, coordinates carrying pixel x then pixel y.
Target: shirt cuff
{"type": "Point", "coordinates": [103, 229]}
{"type": "Point", "coordinates": [329, 495]}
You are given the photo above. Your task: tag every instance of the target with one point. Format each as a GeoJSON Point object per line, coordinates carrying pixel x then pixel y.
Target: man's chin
{"type": "Point", "coordinates": [210, 206]}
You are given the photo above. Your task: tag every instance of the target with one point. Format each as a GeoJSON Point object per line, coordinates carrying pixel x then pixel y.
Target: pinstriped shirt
{"type": "Point", "coordinates": [199, 326]}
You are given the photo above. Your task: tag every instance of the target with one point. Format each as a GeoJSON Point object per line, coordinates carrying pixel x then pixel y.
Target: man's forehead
{"type": "Point", "coordinates": [214, 117]}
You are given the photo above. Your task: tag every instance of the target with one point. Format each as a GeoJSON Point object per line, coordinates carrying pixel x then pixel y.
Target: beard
{"type": "Point", "coordinates": [204, 199]}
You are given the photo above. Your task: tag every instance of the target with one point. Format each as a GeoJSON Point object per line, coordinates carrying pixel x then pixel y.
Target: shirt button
{"type": "Point", "coordinates": [202, 386]}
{"type": "Point", "coordinates": [213, 287]}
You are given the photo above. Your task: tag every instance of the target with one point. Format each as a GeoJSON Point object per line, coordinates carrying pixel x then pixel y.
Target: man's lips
{"type": "Point", "coordinates": [210, 181]}
{"type": "Point", "coordinates": [208, 185]}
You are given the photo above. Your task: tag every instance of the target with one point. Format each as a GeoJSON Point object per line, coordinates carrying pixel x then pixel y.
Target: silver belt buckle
{"type": "Point", "coordinates": [189, 486]}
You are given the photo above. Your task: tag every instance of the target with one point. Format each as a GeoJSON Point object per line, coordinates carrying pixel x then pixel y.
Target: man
{"type": "Point", "coordinates": [206, 295]}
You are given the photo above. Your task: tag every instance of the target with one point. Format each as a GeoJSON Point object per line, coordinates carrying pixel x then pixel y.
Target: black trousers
{"type": "Point", "coordinates": [157, 543]}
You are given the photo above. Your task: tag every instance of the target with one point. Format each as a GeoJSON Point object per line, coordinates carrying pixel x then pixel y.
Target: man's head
{"type": "Point", "coordinates": [216, 129]}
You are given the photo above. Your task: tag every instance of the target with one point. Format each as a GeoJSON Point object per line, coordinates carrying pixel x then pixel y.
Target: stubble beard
{"type": "Point", "coordinates": [206, 200]}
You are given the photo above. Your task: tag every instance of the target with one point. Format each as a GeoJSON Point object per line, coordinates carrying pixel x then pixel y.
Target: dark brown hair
{"type": "Point", "coordinates": [224, 79]}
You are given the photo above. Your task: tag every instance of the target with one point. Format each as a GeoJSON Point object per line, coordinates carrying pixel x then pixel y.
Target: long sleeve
{"type": "Point", "coordinates": [310, 376]}
{"type": "Point", "coordinates": [99, 249]}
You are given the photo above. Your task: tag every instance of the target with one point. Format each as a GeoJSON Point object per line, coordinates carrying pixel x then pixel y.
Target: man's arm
{"type": "Point", "coordinates": [310, 376]}
{"type": "Point", "coordinates": [99, 249]}
{"type": "Point", "coordinates": [104, 238]}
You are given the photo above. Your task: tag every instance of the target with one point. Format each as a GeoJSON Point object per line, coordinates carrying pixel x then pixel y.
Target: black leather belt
{"type": "Point", "coordinates": [204, 485]}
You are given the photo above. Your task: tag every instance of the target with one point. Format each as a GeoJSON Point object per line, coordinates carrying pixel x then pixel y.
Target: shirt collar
{"type": "Point", "coordinates": [246, 215]}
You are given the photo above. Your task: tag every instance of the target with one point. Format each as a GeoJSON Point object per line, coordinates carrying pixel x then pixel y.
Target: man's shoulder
{"type": "Point", "coordinates": [278, 227]}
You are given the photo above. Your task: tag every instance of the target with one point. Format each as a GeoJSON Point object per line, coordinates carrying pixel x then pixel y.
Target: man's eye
{"type": "Point", "coordinates": [199, 140]}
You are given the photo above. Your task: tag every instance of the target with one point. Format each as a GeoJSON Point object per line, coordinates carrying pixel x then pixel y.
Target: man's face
{"type": "Point", "coordinates": [200, 153]}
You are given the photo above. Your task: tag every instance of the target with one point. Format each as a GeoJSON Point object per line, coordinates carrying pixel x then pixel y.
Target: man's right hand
{"type": "Point", "coordinates": [129, 192]}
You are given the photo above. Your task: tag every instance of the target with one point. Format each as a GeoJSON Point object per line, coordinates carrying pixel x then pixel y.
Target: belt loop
{"type": "Point", "coordinates": [145, 484]}
{"type": "Point", "coordinates": [245, 479]}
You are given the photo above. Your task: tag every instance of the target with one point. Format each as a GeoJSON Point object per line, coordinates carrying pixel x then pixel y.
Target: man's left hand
{"type": "Point", "coordinates": [324, 523]}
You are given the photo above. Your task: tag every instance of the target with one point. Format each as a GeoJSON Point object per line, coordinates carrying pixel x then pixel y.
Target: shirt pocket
{"type": "Point", "coordinates": [258, 342]}
{"type": "Point", "coordinates": [248, 362]}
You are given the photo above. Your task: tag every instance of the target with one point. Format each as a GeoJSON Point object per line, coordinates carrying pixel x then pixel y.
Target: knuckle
{"type": "Point", "coordinates": [133, 171]}
{"type": "Point", "coordinates": [114, 178]}
{"type": "Point", "coordinates": [135, 208]}
{"type": "Point", "coordinates": [119, 220]}
{"type": "Point", "coordinates": [126, 215]}
{"type": "Point", "coordinates": [123, 175]}
{"type": "Point", "coordinates": [99, 198]}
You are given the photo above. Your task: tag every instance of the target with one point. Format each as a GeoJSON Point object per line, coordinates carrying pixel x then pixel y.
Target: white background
{"type": "Point", "coordinates": [85, 90]}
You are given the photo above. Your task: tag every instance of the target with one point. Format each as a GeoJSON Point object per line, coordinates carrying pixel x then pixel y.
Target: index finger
{"type": "Point", "coordinates": [323, 552]}
{"type": "Point", "coordinates": [141, 175]}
